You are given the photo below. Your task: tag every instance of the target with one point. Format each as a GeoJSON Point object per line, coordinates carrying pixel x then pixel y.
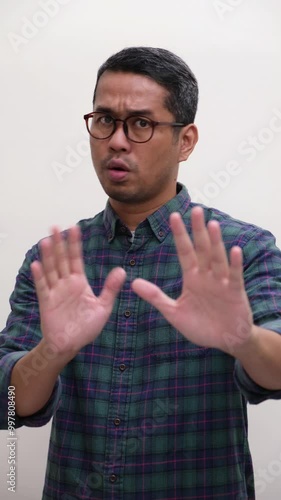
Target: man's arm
{"type": "Point", "coordinates": [34, 387]}
{"type": "Point", "coordinates": [260, 357]}
{"type": "Point", "coordinates": [213, 309]}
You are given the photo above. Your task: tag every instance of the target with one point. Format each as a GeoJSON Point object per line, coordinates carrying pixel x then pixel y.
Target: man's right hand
{"type": "Point", "coordinates": [71, 315]}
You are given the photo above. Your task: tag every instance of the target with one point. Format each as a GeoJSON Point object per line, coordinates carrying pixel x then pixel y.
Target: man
{"type": "Point", "coordinates": [149, 334]}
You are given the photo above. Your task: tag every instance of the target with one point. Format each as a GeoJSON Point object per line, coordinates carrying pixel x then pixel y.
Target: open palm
{"type": "Point", "coordinates": [213, 309]}
{"type": "Point", "coordinates": [71, 315]}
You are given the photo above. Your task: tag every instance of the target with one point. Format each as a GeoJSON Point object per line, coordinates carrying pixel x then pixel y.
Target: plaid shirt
{"type": "Point", "coordinates": [142, 413]}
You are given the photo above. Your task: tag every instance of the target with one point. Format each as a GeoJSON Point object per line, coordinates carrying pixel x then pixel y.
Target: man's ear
{"type": "Point", "coordinates": [188, 139]}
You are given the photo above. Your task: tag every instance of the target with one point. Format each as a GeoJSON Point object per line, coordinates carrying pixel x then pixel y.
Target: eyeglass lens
{"type": "Point", "coordinates": [136, 128]}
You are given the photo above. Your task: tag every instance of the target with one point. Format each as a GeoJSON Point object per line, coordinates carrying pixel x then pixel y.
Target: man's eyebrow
{"type": "Point", "coordinates": [129, 112]}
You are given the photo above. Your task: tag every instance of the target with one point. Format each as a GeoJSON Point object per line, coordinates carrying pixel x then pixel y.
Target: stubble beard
{"type": "Point", "coordinates": [125, 193]}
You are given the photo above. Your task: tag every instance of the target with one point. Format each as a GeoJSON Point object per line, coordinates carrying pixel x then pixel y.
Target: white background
{"type": "Point", "coordinates": [47, 81]}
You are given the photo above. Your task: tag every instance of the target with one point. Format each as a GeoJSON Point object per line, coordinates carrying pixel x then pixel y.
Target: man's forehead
{"type": "Point", "coordinates": [126, 93]}
{"type": "Point", "coordinates": [117, 83]}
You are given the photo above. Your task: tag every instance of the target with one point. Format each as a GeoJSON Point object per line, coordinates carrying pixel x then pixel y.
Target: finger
{"type": "Point", "coordinates": [185, 250]}
{"type": "Point", "coordinates": [219, 261]}
{"type": "Point", "coordinates": [60, 253]}
{"type": "Point", "coordinates": [48, 262]}
{"type": "Point", "coordinates": [112, 286]}
{"type": "Point", "coordinates": [236, 279]}
{"type": "Point", "coordinates": [40, 282]}
{"type": "Point", "coordinates": [201, 239]}
{"type": "Point", "coordinates": [152, 294]}
{"type": "Point", "coordinates": [76, 264]}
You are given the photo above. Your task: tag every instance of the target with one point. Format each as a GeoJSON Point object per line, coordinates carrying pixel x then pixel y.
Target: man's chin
{"type": "Point", "coordinates": [130, 199]}
{"type": "Point", "coordinates": [120, 193]}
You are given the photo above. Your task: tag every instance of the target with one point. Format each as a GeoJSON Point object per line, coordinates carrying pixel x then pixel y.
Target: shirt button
{"type": "Point", "coordinates": [117, 422]}
{"type": "Point", "coordinates": [113, 478]}
{"type": "Point", "coordinates": [127, 314]}
{"type": "Point", "coordinates": [161, 233]}
{"type": "Point", "coordinates": [122, 367]}
{"type": "Point", "coordinates": [132, 262]}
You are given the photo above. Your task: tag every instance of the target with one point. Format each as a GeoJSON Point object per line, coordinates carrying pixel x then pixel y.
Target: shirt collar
{"type": "Point", "coordinates": [158, 220]}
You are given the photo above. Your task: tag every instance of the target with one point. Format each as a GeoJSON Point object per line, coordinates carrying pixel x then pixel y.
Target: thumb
{"type": "Point", "coordinates": [112, 286]}
{"type": "Point", "coordinates": [152, 294]}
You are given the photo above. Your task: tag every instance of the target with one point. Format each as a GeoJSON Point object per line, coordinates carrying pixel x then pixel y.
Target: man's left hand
{"type": "Point", "coordinates": [213, 309]}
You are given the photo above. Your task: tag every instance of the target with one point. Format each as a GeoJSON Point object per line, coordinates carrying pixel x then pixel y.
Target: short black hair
{"type": "Point", "coordinates": [165, 68]}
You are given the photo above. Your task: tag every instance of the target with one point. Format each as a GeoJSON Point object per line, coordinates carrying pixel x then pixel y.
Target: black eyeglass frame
{"type": "Point", "coordinates": [125, 127]}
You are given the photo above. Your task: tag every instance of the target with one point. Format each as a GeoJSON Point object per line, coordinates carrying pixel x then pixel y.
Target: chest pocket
{"type": "Point", "coordinates": [165, 342]}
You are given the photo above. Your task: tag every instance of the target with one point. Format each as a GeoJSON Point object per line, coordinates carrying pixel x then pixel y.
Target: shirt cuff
{"type": "Point", "coordinates": [253, 392]}
{"type": "Point", "coordinates": [38, 419]}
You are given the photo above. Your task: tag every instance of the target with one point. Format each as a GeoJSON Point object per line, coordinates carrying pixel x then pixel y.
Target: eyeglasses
{"type": "Point", "coordinates": [136, 128]}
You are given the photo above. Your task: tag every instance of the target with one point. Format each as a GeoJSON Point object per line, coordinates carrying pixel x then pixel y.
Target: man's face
{"type": "Point", "coordinates": [150, 169]}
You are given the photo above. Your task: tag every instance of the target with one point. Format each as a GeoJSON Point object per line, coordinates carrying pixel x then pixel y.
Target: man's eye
{"type": "Point", "coordinates": [142, 123]}
{"type": "Point", "coordinates": [105, 120]}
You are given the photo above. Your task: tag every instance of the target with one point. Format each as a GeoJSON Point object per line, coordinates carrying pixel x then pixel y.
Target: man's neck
{"type": "Point", "coordinates": [133, 215]}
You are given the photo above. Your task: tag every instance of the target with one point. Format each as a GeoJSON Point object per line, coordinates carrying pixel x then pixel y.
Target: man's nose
{"type": "Point", "coordinates": [119, 140]}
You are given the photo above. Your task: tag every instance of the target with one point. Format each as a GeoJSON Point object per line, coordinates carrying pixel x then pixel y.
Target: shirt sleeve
{"type": "Point", "coordinates": [253, 392]}
{"type": "Point", "coordinates": [262, 276]}
{"type": "Point", "coordinates": [21, 334]}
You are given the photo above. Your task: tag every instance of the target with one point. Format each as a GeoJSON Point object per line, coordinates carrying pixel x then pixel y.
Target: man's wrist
{"type": "Point", "coordinates": [248, 346]}
{"type": "Point", "coordinates": [48, 352]}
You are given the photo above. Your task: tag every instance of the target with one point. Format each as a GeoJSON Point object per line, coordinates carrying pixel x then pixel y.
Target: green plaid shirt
{"type": "Point", "coordinates": [142, 413]}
